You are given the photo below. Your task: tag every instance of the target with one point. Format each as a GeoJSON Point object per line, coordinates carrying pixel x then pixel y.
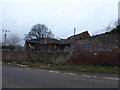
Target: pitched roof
{"type": "Point", "coordinates": [75, 37]}
{"type": "Point", "coordinates": [69, 40]}
{"type": "Point", "coordinates": [80, 36]}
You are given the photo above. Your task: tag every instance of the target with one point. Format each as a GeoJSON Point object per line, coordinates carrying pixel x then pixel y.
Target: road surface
{"type": "Point", "coordinates": [26, 77]}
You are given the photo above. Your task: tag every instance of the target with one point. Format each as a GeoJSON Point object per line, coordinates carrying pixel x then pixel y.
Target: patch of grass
{"type": "Point", "coordinates": [89, 68]}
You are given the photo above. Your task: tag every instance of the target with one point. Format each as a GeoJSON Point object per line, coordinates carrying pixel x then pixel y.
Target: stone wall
{"type": "Point", "coordinates": [102, 49]}
{"type": "Point", "coordinates": [47, 57]}
{"type": "Point", "coordinates": [78, 57]}
{"type": "Point", "coordinates": [105, 42]}
{"type": "Point", "coordinates": [98, 50]}
{"type": "Point", "coordinates": [14, 55]}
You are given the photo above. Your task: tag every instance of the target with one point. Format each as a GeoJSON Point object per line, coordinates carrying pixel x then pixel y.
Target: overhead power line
{"type": "Point", "coordinates": [40, 14]}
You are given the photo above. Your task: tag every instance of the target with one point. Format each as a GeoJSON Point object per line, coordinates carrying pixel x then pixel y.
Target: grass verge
{"type": "Point", "coordinates": [88, 68]}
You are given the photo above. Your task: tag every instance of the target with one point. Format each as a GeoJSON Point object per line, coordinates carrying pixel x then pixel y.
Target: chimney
{"type": "Point", "coordinates": [74, 31]}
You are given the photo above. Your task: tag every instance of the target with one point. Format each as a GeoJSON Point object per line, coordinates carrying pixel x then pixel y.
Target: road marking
{"type": "Point", "coordinates": [39, 70]}
{"type": "Point", "coordinates": [16, 64]}
{"type": "Point", "coordinates": [54, 71]}
{"type": "Point", "coordinates": [8, 63]}
{"type": "Point", "coordinates": [70, 73]}
{"type": "Point", "coordinates": [28, 68]}
{"type": "Point", "coordinates": [111, 78]}
{"type": "Point", "coordinates": [88, 76]}
{"type": "Point", "coordinates": [22, 65]}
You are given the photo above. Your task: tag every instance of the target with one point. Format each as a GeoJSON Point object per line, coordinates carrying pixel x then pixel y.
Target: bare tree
{"type": "Point", "coordinates": [13, 40]}
{"type": "Point", "coordinates": [39, 31]}
{"type": "Point", "coordinates": [117, 27]}
{"type": "Point", "coordinates": [113, 27]}
{"type": "Point", "coordinates": [0, 42]}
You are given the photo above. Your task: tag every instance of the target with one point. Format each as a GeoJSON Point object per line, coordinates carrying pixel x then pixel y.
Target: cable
{"type": "Point", "coordinates": [46, 12]}
{"type": "Point", "coordinates": [47, 9]}
{"type": "Point", "coordinates": [40, 10]}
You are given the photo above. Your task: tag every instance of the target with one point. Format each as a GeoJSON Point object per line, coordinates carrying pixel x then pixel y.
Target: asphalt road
{"type": "Point", "coordinates": [26, 77]}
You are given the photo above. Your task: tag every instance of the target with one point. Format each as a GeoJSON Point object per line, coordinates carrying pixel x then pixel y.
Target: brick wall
{"type": "Point", "coordinates": [107, 58]}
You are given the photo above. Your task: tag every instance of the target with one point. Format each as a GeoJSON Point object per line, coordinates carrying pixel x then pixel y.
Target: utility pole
{"type": "Point", "coordinates": [119, 12]}
{"type": "Point", "coordinates": [74, 31]}
{"type": "Point", "coordinates": [5, 35]}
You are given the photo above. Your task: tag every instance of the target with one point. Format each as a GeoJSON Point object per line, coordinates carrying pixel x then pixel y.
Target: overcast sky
{"type": "Point", "coordinates": [61, 16]}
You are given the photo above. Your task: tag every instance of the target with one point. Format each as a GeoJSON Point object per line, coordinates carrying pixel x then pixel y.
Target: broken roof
{"type": "Point", "coordinates": [67, 41]}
